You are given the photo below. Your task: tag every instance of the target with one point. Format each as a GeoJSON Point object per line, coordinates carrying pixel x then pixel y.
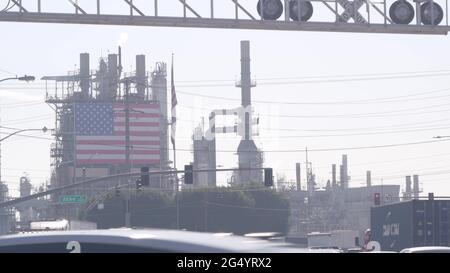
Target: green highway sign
{"type": "Point", "coordinates": [74, 199]}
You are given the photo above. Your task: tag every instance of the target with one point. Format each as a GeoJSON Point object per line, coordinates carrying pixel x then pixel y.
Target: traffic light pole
{"type": "Point", "coordinates": [127, 210]}
{"type": "Point", "coordinates": [177, 185]}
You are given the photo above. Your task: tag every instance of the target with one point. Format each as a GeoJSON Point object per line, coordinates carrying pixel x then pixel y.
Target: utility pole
{"type": "Point", "coordinates": [127, 150]}
{"type": "Point", "coordinates": [127, 210]}
{"type": "Point", "coordinates": [127, 125]}
{"type": "Point", "coordinates": [205, 211]}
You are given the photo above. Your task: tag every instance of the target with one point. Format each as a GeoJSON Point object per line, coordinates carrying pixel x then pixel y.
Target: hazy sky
{"type": "Point", "coordinates": [291, 68]}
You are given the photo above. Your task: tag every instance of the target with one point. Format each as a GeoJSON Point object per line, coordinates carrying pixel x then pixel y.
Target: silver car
{"type": "Point", "coordinates": [138, 241]}
{"type": "Point", "coordinates": [427, 249]}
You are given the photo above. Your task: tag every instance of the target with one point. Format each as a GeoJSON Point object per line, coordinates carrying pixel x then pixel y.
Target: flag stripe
{"type": "Point", "coordinates": [117, 142]}
{"type": "Point", "coordinates": [122, 133]}
{"type": "Point", "coordinates": [118, 152]}
{"type": "Point", "coordinates": [117, 161]}
{"type": "Point", "coordinates": [137, 115]}
{"type": "Point", "coordinates": [118, 156]}
{"type": "Point", "coordinates": [108, 138]}
{"type": "Point", "coordinates": [139, 124]}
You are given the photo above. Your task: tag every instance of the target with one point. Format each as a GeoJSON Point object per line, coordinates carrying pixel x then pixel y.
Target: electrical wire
{"type": "Point", "coordinates": [142, 147]}
{"type": "Point", "coordinates": [355, 134]}
{"type": "Point", "coordinates": [7, 8]}
{"type": "Point", "coordinates": [366, 101]}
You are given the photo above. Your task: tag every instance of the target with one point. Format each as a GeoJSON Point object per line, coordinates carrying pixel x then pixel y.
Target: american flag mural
{"type": "Point", "coordinates": [100, 133]}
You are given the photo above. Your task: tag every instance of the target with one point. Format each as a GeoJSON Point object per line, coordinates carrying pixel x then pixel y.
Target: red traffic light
{"type": "Point", "coordinates": [377, 199]}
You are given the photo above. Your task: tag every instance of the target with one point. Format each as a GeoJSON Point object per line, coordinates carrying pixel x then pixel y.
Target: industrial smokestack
{"type": "Point", "coordinates": [249, 157]}
{"type": "Point", "coordinates": [113, 75]}
{"type": "Point", "coordinates": [341, 176]}
{"type": "Point", "coordinates": [368, 178]}
{"type": "Point", "coordinates": [333, 175]}
{"type": "Point", "coordinates": [246, 85]}
{"type": "Point", "coordinates": [408, 188]}
{"type": "Point", "coordinates": [140, 75]}
{"type": "Point", "coordinates": [345, 170]}
{"type": "Point", "coordinates": [416, 186]}
{"type": "Point", "coordinates": [84, 74]}
{"type": "Point", "coordinates": [246, 82]}
{"type": "Point", "coordinates": [298, 176]}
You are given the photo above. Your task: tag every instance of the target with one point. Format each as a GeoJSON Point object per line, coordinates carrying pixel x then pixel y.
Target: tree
{"type": "Point", "coordinates": [238, 210]}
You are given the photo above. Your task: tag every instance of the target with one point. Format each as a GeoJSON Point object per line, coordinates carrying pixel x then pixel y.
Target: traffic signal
{"type": "Point", "coordinates": [138, 184]}
{"type": "Point", "coordinates": [117, 192]}
{"type": "Point", "coordinates": [268, 177]}
{"type": "Point", "coordinates": [145, 177]}
{"type": "Point", "coordinates": [188, 174]}
{"type": "Point", "coordinates": [377, 199]}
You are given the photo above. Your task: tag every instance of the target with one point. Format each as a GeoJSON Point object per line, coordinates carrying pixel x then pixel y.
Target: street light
{"type": "Point", "coordinates": [23, 78]}
{"type": "Point", "coordinates": [24, 130]}
{"type": "Point", "coordinates": [441, 137]}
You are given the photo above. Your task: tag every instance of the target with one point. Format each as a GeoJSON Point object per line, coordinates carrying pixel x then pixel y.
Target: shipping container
{"type": "Point", "coordinates": [411, 224]}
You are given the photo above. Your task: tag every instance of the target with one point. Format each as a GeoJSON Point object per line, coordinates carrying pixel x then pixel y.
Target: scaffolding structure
{"type": "Point", "coordinates": [107, 84]}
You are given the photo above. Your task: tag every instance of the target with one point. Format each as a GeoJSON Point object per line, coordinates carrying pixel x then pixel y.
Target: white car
{"type": "Point", "coordinates": [427, 249]}
{"type": "Point", "coordinates": [138, 241]}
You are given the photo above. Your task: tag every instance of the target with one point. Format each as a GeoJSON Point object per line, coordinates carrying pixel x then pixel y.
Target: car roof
{"type": "Point", "coordinates": [168, 240]}
{"type": "Point", "coordinates": [429, 249]}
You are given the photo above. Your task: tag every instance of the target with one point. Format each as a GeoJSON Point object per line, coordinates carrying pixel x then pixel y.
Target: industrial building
{"type": "Point", "coordinates": [250, 158]}
{"type": "Point", "coordinates": [108, 122]}
{"type": "Point", "coordinates": [337, 206]}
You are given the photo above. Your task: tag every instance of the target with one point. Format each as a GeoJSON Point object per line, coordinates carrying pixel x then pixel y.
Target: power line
{"type": "Point", "coordinates": [366, 101]}
{"type": "Point", "coordinates": [402, 125]}
{"type": "Point", "coordinates": [5, 71]}
{"type": "Point", "coordinates": [372, 115]}
{"type": "Point", "coordinates": [376, 162]}
{"type": "Point", "coordinates": [358, 134]}
{"type": "Point", "coordinates": [22, 104]}
{"type": "Point", "coordinates": [363, 115]}
{"type": "Point", "coordinates": [323, 79]}
{"type": "Point", "coordinates": [358, 75]}
{"type": "Point", "coordinates": [301, 150]}
{"type": "Point", "coordinates": [27, 119]}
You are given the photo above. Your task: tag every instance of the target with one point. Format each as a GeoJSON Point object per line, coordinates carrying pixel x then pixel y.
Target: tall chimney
{"type": "Point", "coordinates": [345, 170]}
{"type": "Point", "coordinates": [140, 75]}
{"type": "Point", "coordinates": [113, 76]}
{"type": "Point", "coordinates": [246, 85]}
{"type": "Point", "coordinates": [416, 186]}
{"type": "Point", "coordinates": [408, 190]}
{"type": "Point", "coordinates": [298, 176]}
{"type": "Point", "coordinates": [341, 176]}
{"type": "Point", "coordinates": [333, 175]}
{"type": "Point", "coordinates": [84, 74]}
{"type": "Point", "coordinates": [368, 178]}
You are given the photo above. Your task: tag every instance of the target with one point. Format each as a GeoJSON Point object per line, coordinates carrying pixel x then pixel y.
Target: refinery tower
{"type": "Point", "coordinates": [108, 122]}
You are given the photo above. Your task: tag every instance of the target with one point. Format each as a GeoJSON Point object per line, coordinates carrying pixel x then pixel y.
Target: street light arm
{"type": "Point", "coordinates": [8, 79]}
{"type": "Point", "coordinates": [441, 137]}
{"type": "Point", "coordinates": [24, 78]}
{"type": "Point", "coordinates": [24, 130]}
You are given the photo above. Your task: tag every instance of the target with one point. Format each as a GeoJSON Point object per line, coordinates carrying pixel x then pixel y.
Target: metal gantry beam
{"type": "Point", "coordinates": [328, 15]}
